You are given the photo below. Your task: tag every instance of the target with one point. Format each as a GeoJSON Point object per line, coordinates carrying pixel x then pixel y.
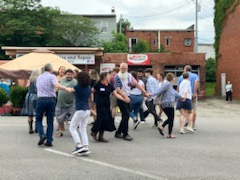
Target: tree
{"type": "Point", "coordinates": [78, 30]}
{"type": "Point", "coordinates": [118, 44]}
{"type": "Point", "coordinates": [125, 24]}
{"type": "Point", "coordinates": [141, 47]}
{"type": "Point", "coordinates": [211, 70]}
{"type": "Point", "coordinates": [28, 23]}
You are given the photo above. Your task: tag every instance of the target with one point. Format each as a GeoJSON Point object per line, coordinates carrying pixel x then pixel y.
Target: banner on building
{"type": "Point", "coordinates": [78, 58]}
{"type": "Point", "coordinates": [106, 67]}
{"type": "Point", "coordinates": [138, 59]}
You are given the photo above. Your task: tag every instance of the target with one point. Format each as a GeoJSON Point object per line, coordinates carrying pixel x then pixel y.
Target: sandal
{"type": "Point", "coordinates": [59, 134]}
{"type": "Point", "coordinates": [171, 136]}
{"type": "Point", "coordinates": [160, 129]}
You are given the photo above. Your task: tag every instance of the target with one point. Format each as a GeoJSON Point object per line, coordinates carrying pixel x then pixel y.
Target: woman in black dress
{"type": "Point", "coordinates": [104, 120]}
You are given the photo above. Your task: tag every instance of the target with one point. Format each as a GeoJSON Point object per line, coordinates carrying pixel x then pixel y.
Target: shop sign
{"type": "Point", "coordinates": [106, 67]}
{"type": "Point", "coordinates": [78, 58]}
{"type": "Point", "coordinates": [138, 59]}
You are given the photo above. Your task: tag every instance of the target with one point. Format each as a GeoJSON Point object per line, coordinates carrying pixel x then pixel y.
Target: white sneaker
{"type": "Point", "coordinates": [195, 128]}
{"type": "Point", "coordinates": [84, 153]}
{"type": "Point", "coordinates": [189, 129]}
{"type": "Point", "coordinates": [182, 131]}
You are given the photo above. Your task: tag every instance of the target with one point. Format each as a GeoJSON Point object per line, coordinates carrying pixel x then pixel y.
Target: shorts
{"type": "Point", "coordinates": [113, 101]}
{"type": "Point", "coordinates": [187, 105]}
{"type": "Point", "coordinates": [64, 114]}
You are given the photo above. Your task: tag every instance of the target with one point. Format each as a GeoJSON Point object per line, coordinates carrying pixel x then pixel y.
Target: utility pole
{"type": "Point", "coordinates": [196, 26]}
{"type": "Point", "coordinates": [120, 28]}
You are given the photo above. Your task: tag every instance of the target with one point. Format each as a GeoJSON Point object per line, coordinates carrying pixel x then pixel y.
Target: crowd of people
{"type": "Point", "coordinates": [72, 97]}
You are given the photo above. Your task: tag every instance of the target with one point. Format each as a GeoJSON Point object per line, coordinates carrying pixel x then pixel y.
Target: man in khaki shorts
{"type": "Point", "coordinates": [113, 99]}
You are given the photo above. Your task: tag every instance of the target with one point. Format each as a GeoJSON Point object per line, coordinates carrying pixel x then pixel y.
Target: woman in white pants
{"type": "Point", "coordinates": [82, 92]}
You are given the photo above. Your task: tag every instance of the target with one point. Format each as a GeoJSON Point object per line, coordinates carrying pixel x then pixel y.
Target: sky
{"type": "Point", "coordinates": [149, 14]}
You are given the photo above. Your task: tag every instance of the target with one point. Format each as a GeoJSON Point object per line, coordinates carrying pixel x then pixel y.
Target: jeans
{"type": "Point", "coordinates": [229, 96]}
{"type": "Point", "coordinates": [45, 106]}
{"type": "Point", "coordinates": [169, 111]}
{"type": "Point", "coordinates": [123, 126]}
{"type": "Point", "coordinates": [135, 105]}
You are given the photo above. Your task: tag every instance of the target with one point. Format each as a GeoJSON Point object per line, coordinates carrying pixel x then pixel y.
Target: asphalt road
{"type": "Point", "coordinates": [212, 152]}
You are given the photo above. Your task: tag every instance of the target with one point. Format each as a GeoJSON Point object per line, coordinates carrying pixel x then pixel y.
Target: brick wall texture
{"type": "Point", "coordinates": [176, 39]}
{"type": "Point", "coordinates": [229, 61]}
{"type": "Point", "coordinates": [158, 61]}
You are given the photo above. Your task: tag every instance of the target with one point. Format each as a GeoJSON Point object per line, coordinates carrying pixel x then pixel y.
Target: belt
{"type": "Point", "coordinates": [46, 97]}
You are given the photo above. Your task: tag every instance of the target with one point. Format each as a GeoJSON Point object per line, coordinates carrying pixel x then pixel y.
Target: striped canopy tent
{"type": "Point", "coordinates": [21, 67]}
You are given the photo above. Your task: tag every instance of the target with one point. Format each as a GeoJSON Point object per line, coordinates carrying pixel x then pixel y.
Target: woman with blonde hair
{"type": "Point", "coordinates": [60, 73]}
{"type": "Point", "coordinates": [94, 79]}
{"type": "Point", "coordinates": [31, 99]}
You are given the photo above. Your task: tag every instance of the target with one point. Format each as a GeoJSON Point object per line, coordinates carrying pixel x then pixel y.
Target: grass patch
{"type": "Point", "coordinates": [210, 88]}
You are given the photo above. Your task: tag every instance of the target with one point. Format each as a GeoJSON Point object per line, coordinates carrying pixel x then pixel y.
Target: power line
{"type": "Point", "coordinates": [164, 12]}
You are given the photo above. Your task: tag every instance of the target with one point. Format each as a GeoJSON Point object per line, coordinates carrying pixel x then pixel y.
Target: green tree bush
{"type": "Point", "coordinates": [141, 47]}
{"type": "Point", "coordinates": [3, 97]}
{"type": "Point", "coordinates": [17, 95]}
{"type": "Point", "coordinates": [117, 45]}
{"type": "Point", "coordinates": [211, 70]}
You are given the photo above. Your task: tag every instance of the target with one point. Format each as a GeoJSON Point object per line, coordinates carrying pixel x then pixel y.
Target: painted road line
{"type": "Point", "coordinates": [107, 165]}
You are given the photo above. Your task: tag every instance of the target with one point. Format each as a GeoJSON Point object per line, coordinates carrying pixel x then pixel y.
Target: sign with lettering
{"type": "Point", "coordinates": [138, 59]}
{"type": "Point", "coordinates": [106, 67]}
{"type": "Point", "coordinates": [78, 58]}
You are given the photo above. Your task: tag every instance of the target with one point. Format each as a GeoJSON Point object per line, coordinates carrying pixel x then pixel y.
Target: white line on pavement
{"type": "Point", "coordinates": [107, 165]}
{"type": "Point", "coordinates": [9, 125]}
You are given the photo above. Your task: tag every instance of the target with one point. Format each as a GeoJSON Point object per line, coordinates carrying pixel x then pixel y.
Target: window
{"type": "Point", "coordinates": [187, 42]}
{"type": "Point", "coordinates": [177, 71]}
{"type": "Point", "coordinates": [132, 43]}
{"type": "Point", "coordinates": [104, 26]}
{"type": "Point", "coordinates": [167, 39]}
{"type": "Point", "coordinates": [154, 42]}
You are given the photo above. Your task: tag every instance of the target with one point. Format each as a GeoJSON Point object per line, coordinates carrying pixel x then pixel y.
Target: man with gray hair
{"type": "Point", "coordinates": [46, 85]}
{"type": "Point", "coordinates": [194, 80]}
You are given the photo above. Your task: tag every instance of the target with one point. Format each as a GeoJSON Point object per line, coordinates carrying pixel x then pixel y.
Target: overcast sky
{"type": "Point", "coordinates": [149, 14]}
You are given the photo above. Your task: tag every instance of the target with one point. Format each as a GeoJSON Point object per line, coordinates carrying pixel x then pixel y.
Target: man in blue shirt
{"type": "Point", "coordinates": [194, 79]}
{"type": "Point", "coordinates": [151, 86]}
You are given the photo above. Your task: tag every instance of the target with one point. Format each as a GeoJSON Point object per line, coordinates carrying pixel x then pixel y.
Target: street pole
{"type": "Point", "coordinates": [120, 28]}
{"type": "Point", "coordinates": [196, 27]}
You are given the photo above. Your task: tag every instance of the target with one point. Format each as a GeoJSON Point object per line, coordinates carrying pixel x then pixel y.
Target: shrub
{"type": "Point", "coordinates": [17, 95]}
{"type": "Point", "coordinates": [3, 97]}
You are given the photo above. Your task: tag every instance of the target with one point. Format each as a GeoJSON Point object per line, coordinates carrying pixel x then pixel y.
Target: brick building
{"type": "Point", "coordinates": [228, 66]}
{"type": "Point", "coordinates": [166, 62]}
{"type": "Point", "coordinates": [177, 40]}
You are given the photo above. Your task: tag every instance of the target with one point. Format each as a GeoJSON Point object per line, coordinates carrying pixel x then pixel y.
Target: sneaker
{"type": "Point", "coordinates": [78, 150]}
{"type": "Point", "coordinates": [118, 135]}
{"type": "Point", "coordinates": [195, 128]}
{"type": "Point", "coordinates": [143, 122]}
{"type": "Point", "coordinates": [182, 131]}
{"type": "Point", "coordinates": [48, 144]}
{"type": "Point", "coordinates": [136, 123]}
{"type": "Point", "coordinates": [84, 152]}
{"type": "Point", "coordinates": [189, 129]}
{"type": "Point", "coordinates": [42, 139]}
{"type": "Point", "coordinates": [128, 138]}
